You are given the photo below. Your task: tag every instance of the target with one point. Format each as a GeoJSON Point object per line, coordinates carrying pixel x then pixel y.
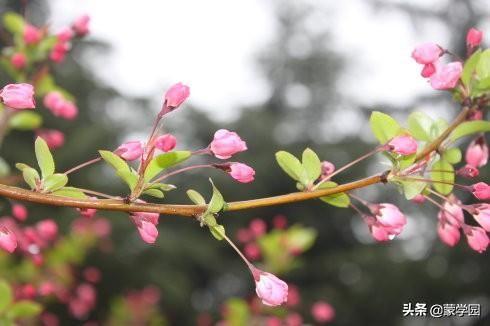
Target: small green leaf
{"type": "Point", "coordinates": [14, 23]}
{"type": "Point", "coordinates": [5, 295]}
{"type": "Point", "coordinates": [160, 186]}
{"type": "Point", "coordinates": [468, 128]}
{"type": "Point", "coordinates": [114, 160]}
{"type": "Point", "coordinates": [340, 199]}
{"type": "Point", "coordinates": [300, 237]}
{"type": "Point", "coordinates": [154, 193]}
{"type": "Point", "coordinates": [439, 174]}
{"type": "Point", "coordinates": [217, 202]}
{"type": "Point", "coordinates": [26, 120]}
{"type": "Point", "coordinates": [292, 166]}
{"type": "Point", "coordinates": [412, 188]}
{"type": "Point", "coordinates": [383, 126]}
{"type": "Point", "coordinates": [452, 155]}
{"type": "Point", "coordinates": [70, 192]}
{"type": "Point", "coordinates": [31, 177]}
{"type": "Point", "coordinates": [483, 65]}
{"type": "Point", "coordinates": [419, 125]}
{"type": "Point", "coordinates": [196, 197]}
{"type": "Point", "coordinates": [55, 181]}
{"type": "Point", "coordinates": [164, 161]}
{"type": "Point", "coordinates": [209, 220]}
{"type": "Point", "coordinates": [311, 164]}
{"type": "Point", "coordinates": [44, 157]}
{"type": "Point", "coordinates": [237, 312]}
{"type": "Point", "coordinates": [24, 309]}
{"type": "Point", "coordinates": [438, 127]}
{"type": "Point", "coordinates": [217, 231]}
{"type": "Point", "coordinates": [129, 177]}
{"type": "Point", "coordinates": [469, 68]}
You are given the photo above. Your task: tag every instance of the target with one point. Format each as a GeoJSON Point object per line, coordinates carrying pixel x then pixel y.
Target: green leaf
{"type": "Point", "coordinates": [483, 65]}
{"type": "Point", "coordinates": [237, 312]}
{"type": "Point", "coordinates": [154, 193]}
{"type": "Point", "coordinates": [469, 68]}
{"type": "Point", "coordinates": [209, 220]}
{"type": "Point", "coordinates": [406, 161]}
{"type": "Point", "coordinates": [196, 197]}
{"type": "Point", "coordinates": [301, 238]}
{"type": "Point", "coordinates": [412, 188]}
{"type": "Point", "coordinates": [5, 295]}
{"type": "Point", "coordinates": [468, 128]}
{"type": "Point", "coordinates": [24, 309]}
{"type": "Point", "coordinates": [70, 192]}
{"type": "Point", "coordinates": [4, 168]}
{"type": "Point", "coordinates": [452, 155]}
{"type": "Point", "coordinates": [31, 177]}
{"type": "Point", "coordinates": [312, 164]}
{"type": "Point", "coordinates": [419, 125]}
{"type": "Point", "coordinates": [217, 202]}
{"type": "Point", "coordinates": [339, 200]}
{"type": "Point", "coordinates": [44, 157]}
{"type": "Point", "coordinates": [129, 177]}
{"type": "Point", "coordinates": [292, 166]}
{"type": "Point", "coordinates": [55, 181]}
{"type": "Point", "coordinates": [438, 127]}
{"type": "Point", "coordinates": [114, 160]}
{"type": "Point", "coordinates": [164, 161]}
{"type": "Point", "coordinates": [45, 85]}
{"type": "Point", "coordinates": [160, 186]}
{"type": "Point", "coordinates": [14, 23]}
{"type": "Point", "coordinates": [483, 85]}
{"type": "Point", "coordinates": [438, 174]}
{"type": "Point", "coordinates": [26, 120]}
{"type": "Point", "coordinates": [383, 126]}
{"type": "Point", "coordinates": [217, 231]}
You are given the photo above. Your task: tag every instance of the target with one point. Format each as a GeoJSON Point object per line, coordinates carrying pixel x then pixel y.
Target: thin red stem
{"type": "Point", "coordinates": [78, 167]}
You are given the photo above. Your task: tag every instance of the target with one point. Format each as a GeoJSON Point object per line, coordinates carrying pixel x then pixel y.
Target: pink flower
{"type": "Point", "coordinates": [18, 96]}
{"type": "Point", "coordinates": [8, 240]}
{"type": "Point", "coordinates": [130, 150]}
{"type": "Point", "coordinates": [92, 274]}
{"type": "Point", "coordinates": [279, 222]}
{"type": "Point", "coordinates": [446, 76]}
{"type": "Point", "coordinates": [403, 145]}
{"type": "Point", "coordinates": [426, 53]}
{"type": "Point", "coordinates": [65, 34]}
{"type": "Point", "coordinates": [226, 143]}
{"type": "Point", "coordinates": [477, 238]}
{"type": "Point", "coordinates": [452, 212]}
{"type": "Point", "coordinates": [419, 199]}
{"type": "Point", "coordinates": [477, 152]}
{"type": "Point", "coordinates": [88, 212]}
{"type": "Point", "coordinates": [81, 25]}
{"type": "Point", "coordinates": [252, 251]}
{"type": "Point", "coordinates": [257, 227]}
{"type": "Point", "coordinates": [294, 319]}
{"type": "Point", "coordinates": [166, 142]}
{"type": "Point", "coordinates": [18, 60]}
{"type": "Point", "coordinates": [54, 138]}
{"type": "Point", "coordinates": [146, 224]}
{"type": "Point", "coordinates": [468, 171]}
{"type": "Point", "coordinates": [270, 289]}
{"type": "Point", "coordinates": [428, 70]}
{"type": "Point", "coordinates": [482, 215]}
{"type": "Point", "coordinates": [474, 37]}
{"type": "Point", "coordinates": [52, 100]}
{"type": "Point", "coordinates": [47, 229]}
{"type": "Point", "coordinates": [19, 211]}
{"type": "Point", "coordinates": [32, 35]}
{"type": "Point", "coordinates": [448, 233]}
{"type": "Point", "coordinates": [294, 298]}
{"type": "Point", "coordinates": [175, 96]}
{"type": "Point", "coordinates": [323, 312]}
{"type": "Point", "coordinates": [242, 172]}
{"type": "Point", "coordinates": [389, 215]}
{"type": "Point", "coordinates": [59, 51]}
{"type": "Point", "coordinates": [327, 169]}
{"type": "Point", "coordinates": [381, 232]}
{"type": "Point", "coordinates": [481, 190]}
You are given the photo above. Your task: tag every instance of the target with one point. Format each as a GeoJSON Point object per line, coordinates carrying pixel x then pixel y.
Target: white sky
{"type": "Point", "coordinates": [211, 45]}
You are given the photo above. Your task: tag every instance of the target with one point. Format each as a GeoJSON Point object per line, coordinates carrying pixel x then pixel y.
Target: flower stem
{"type": "Point", "coordinates": [188, 168]}
{"type": "Point", "coordinates": [78, 167]}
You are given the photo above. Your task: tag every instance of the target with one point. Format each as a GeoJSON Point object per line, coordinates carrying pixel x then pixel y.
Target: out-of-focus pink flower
{"type": "Point", "coordinates": [92, 274]}
{"type": "Point", "coordinates": [403, 145]}
{"type": "Point", "coordinates": [252, 251]}
{"type": "Point", "coordinates": [49, 319]}
{"type": "Point", "coordinates": [280, 222]}
{"type": "Point", "coordinates": [130, 150]}
{"type": "Point", "coordinates": [273, 321]}
{"type": "Point", "coordinates": [19, 211]}
{"type": "Point", "coordinates": [8, 240]}
{"type": "Point", "coordinates": [269, 288]}
{"type": "Point", "coordinates": [468, 171]}
{"type": "Point", "coordinates": [88, 212]}
{"type": "Point", "coordinates": [46, 288]}
{"type": "Point", "coordinates": [52, 100]}
{"type": "Point", "coordinates": [428, 70]}
{"type": "Point", "coordinates": [60, 107]}
{"type": "Point", "coordinates": [146, 224]}
{"type": "Point", "coordinates": [481, 213]}
{"type": "Point", "coordinates": [242, 172]}
{"type": "Point", "coordinates": [226, 143]}
{"type": "Point", "coordinates": [322, 312]}
{"type": "Point", "coordinates": [446, 76]}
{"type": "Point", "coordinates": [448, 233]}
{"type": "Point", "coordinates": [59, 51]}
{"type": "Point", "coordinates": [32, 34]}
{"type": "Point", "coordinates": [18, 96]}
{"type": "Point", "coordinates": [481, 190]}
{"type": "Point", "coordinates": [244, 235]}
{"type": "Point", "coordinates": [257, 227]}
{"type": "Point", "coordinates": [476, 115]}
{"type": "Point", "coordinates": [426, 53]}
{"type": "Point", "coordinates": [175, 96]}
{"type": "Point", "coordinates": [294, 319]}
{"type": "Point", "coordinates": [327, 169]}
{"type": "Point", "coordinates": [47, 229]}
{"type": "Point", "coordinates": [477, 152]}
{"type": "Point", "coordinates": [294, 297]}
{"type": "Point", "coordinates": [474, 37]}
{"type": "Point", "coordinates": [166, 142]}
{"type": "Point", "coordinates": [81, 25]}
{"type": "Point", "coordinates": [18, 60]}
{"type": "Point", "coordinates": [477, 238]}
{"type": "Point", "coordinates": [27, 291]}
{"type": "Point", "coordinates": [65, 34]}
{"type": "Point", "coordinates": [418, 199]}
{"type": "Point", "coordinates": [54, 138]}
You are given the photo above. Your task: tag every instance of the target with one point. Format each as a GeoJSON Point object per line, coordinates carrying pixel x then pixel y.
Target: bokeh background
{"type": "Point", "coordinates": [284, 75]}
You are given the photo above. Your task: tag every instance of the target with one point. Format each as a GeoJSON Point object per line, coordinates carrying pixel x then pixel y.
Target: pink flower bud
{"type": "Point", "coordinates": [448, 233]}
{"type": "Point", "coordinates": [19, 211]}
{"type": "Point", "coordinates": [18, 96]}
{"type": "Point", "coordinates": [481, 190]}
{"type": "Point", "coordinates": [257, 227]}
{"type": "Point", "coordinates": [294, 298]}
{"type": "Point", "coordinates": [65, 35]}
{"type": "Point", "coordinates": [426, 53]}
{"type": "Point", "coordinates": [419, 199]}
{"type": "Point", "coordinates": [52, 100]}
{"type": "Point", "coordinates": [477, 238]}
{"type": "Point", "coordinates": [8, 240]}
{"type": "Point", "coordinates": [270, 289]}
{"type": "Point", "coordinates": [322, 312]}
{"type": "Point", "coordinates": [92, 274]}
{"type": "Point", "coordinates": [474, 37]}
{"type": "Point", "coordinates": [226, 143]}
{"type": "Point", "coordinates": [32, 35]}
{"type": "Point", "coordinates": [166, 142]}
{"type": "Point", "coordinates": [146, 224]}
{"type": "Point", "coordinates": [54, 138]}
{"type": "Point", "coordinates": [88, 212]}
{"type": "Point", "coordinates": [403, 145]}
{"type": "Point", "coordinates": [389, 215]}
{"type": "Point", "coordinates": [175, 96]}
{"type": "Point", "coordinates": [280, 222]}
{"type": "Point", "coordinates": [482, 215]}
{"type": "Point", "coordinates": [46, 288]}
{"type": "Point", "coordinates": [47, 229]}
{"type": "Point", "coordinates": [244, 235]}
{"type": "Point", "coordinates": [327, 169]}
{"type": "Point", "coordinates": [242, 172]}
{"type": "Point", "coordinates": [446, 76]}
{"type": "Point", "coordinates": [477, 152]}
{"type": "Point", "coordinates": [428, 70]}
{"type": "Point", "coordinates": [383, 233]}
{"type": "Point", "coordinates": [294, 319]}
{"type": "Point", "coordinates": [452, 212]}
{"type": "Point", "coordinates": [130, 150]}
{"type": "Point", "coordinates": [59, 51]}
{"type": "Point", "coordinates": [252, 251]}
{"type": "Point", "coordinates": [18, 60]}
{"type": "Point", "coordinates": [468, 171]}
{"type": "Point", "coordinates": [81, 25]}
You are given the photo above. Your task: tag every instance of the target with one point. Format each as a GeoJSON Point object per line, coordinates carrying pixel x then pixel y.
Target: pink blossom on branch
{"type": "Point", "coordinates": [166, 142]}
{"type": "Point", "coordinates": [19, 211]}
{"type": "Point", "coordinates": [327, 169]}
{"type": "Point", "coordinates": [322, 312]}
{"type": "Point", "coordinates": [269, 288]}
{"type": "Point", "coordinates": [474, 37]}
{"type": "Point", "coordinates": [32, 34]}
{"type": "Point", "coordinates": [477, 152]}
{"type": "Point", "coordinates": [8, 240]}
{"type": "Point", "coordinates": [81, 25]}
{"type": "Point", "coordinates": [446, 76]}
{"type": "Point", "coordinates": [242, 172]}
{"type": "Point", "coordinates": [403, 145]}
{"type": "Point", "coordinates": [389, 215]}
{"type": "Point", "coordinates": [427, 53]}
{"type": "Point", "coordinates": [130, 150]}
{"type": "Point", "coordinates": [65, 34]}
{"type": "Point", "coordinates": [448, 233]}
{"type": "Point", "coordinates": [452, 212]}
{"type": "Point", "coordinates": [18, 60]}
{"type": "Point", "coordinates": [174, 97]}
{"type": "Point", "coordinates": [146, 224]}
{"type": "Point", "coordinates": [54, 138]}
{"type": "Point", "coordinates": [428, 70]}
{"type": "Point", "coordinates": [18, 96]}
{"type": "Point", "coordinates": [477, 238]}
{"type": "Point", "coordinates": [481, 190]}
{"type": "Point", "coordinates": [226, 143]}
{"type": "Point", "coordinates": [481, 213]}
